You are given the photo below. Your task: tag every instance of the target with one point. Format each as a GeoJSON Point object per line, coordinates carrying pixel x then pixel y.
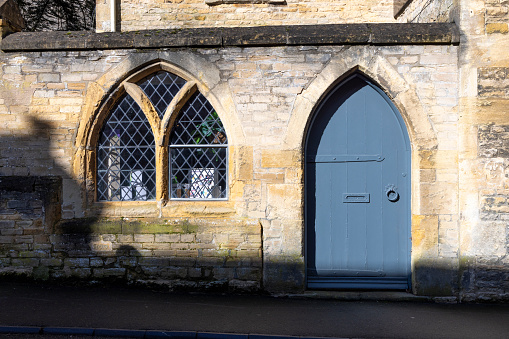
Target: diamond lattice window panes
{"type": "Point", "coordinates": [161, 87]}
{"type": "Point", "coordinates": [198, 152]}
{"type": "Point", "coordinates": [126, 155]}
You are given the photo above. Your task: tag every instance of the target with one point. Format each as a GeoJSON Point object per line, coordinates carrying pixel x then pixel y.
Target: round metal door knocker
{"type": "Point", "coordinates": [392, 193]}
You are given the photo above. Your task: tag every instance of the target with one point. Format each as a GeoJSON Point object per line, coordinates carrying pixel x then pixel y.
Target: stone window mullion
{"type": "Point", "coordinates": [158, 131]}
{"type": "Point", "coordinates": [161, 173]}
{"type": "Point", "coordinates": [162, 156]}
{"type": "Point", "coordinates": [161, 153]}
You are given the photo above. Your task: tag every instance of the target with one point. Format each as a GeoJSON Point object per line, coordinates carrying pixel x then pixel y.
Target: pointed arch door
{"type": "Point", "coordinates": [357, 191]}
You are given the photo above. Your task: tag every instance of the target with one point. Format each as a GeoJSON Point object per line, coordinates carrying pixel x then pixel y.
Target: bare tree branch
{"type": "Point", "coordinates": [52, 15]}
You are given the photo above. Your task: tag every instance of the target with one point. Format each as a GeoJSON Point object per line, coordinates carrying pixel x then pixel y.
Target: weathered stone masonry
{"type": "Point", "coordinates": [265, 97]}
{"type": "Point", "coordinates": [135, 15]}
{"type": "Point", "coordinates": [448, 81]}
{"type": "Point", "coordinates": [191, 253]}
{"type": "Point", "coordinates": [483, 119]}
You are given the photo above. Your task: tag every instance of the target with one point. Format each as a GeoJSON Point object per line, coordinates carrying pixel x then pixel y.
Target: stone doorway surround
{"type": "Point", "coordinates": [423, 138]}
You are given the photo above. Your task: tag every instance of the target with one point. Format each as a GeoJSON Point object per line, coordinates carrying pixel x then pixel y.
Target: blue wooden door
{"type": "Point", "coordinates": [357, 191]}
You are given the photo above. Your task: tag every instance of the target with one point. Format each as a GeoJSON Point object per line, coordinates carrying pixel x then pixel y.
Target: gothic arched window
{"type": "Point", "coordinates": [140, 159]}
{"type": "Point", "coordinates": [126, 155]}
{"type": "Point", "coordinates": [198, 152]}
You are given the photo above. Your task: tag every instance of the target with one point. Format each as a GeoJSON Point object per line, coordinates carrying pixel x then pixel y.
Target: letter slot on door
{"type": "Point", "coordinates": [356, 197]}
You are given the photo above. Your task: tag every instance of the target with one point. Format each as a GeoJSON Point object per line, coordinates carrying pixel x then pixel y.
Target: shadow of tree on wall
{"type": "Point", "coordinates": [41, 239]}
{"type": "Point", "coordinates": [35, 240]}
{"type": "Point", "coordinates": [37, 243]}
{"type": "Point", "coordinates": [127, 257]}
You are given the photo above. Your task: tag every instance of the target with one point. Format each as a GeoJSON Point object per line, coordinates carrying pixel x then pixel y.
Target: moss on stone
{"type": "Point", "coordinates": [125, 226]}
{"type": "Point", "coordinates": [41, 273]}
{"type": "Point", "coordinates": [89, 226]}
{"type": "Point", "coordinates": [155, 226]}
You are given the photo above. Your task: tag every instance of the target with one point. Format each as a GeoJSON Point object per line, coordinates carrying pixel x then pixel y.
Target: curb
{"type": "Point", "coordinates": [20, 330]}
{"type": "Point", "coordinates": [67, 330]}
{"type": "Point", "coordinates": [123, 333]}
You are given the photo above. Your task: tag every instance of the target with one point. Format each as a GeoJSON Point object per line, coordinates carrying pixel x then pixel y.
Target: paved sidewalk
{"type": "Point", "coordinates": [142, 313]}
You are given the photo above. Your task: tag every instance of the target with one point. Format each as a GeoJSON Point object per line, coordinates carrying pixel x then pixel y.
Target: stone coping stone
{"type": "Point", "coordinates": [215, 37]}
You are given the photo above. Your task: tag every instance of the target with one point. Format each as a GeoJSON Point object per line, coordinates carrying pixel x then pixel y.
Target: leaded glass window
{"type": "Point", "coordinates": [198, 152]}
{"type": "Point", "coordinates": [126, 155]}
{"type": "Point", "coordinates": [161, 87]}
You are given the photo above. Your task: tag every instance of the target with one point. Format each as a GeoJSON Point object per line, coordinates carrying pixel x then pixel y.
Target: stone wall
{"type": "Point", "coordinates": [171, 253]}
{"type": "Point", "coordinates": [428, 11]}
{"type": "Point", "coordinates": [483, 155]}
{"type": "Point", "coordinates": [483, 236]}
{"type": "Point", "coordinates": [265, 84]}
{"type": "Point", "coordinates": [28, 206]}
{"type": "Point", "coordinates": [497, 16]}
{"type": "Point", "coordinates": [139, 15]}
{"type": "Point", "coordinates": [265, 97]}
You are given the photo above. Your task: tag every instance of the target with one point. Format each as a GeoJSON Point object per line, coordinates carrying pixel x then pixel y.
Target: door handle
{"type": "Point", "coordinates": [392, 193]}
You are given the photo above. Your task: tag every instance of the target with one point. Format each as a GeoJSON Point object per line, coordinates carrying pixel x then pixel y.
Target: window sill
{"type": "Point", "coordinates": [198, 208]}
{"type": "Point", "coordinates": [125, 208]}
{"type": "Point", "coordinates": [172, 209]}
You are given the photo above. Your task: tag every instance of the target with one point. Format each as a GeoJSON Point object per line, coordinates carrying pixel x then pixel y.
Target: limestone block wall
{"type": "Point", "coordinates": [43, 95]}
{"type": "Point", "coordinates": [139, 14]}
{"type": "Point", "coordinates": [429, 11]}
{"type": "Point", "coordinates": [27, 206]}
{"type": "Point", "coordinates": [265, 96]}
{"type": "Point", "coordinates": [483, 122]}
{"type": "Point", "coordinates": [453, 99]}
{"type": "Point", "coordinates": [497, 16]}
{"type": "Point", "coordinates": [172, 253]}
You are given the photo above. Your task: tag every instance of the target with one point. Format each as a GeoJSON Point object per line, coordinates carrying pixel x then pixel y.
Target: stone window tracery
{"type": "Point", "coordinates": [161, 139]}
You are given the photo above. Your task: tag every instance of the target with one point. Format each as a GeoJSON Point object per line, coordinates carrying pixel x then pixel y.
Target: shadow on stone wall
{"type": "Point", "coordinates": [40, 240]}
{"type": "Point", "coordinates": [34, 242]}
{"type": "Point", "coordinates": [469, 279]}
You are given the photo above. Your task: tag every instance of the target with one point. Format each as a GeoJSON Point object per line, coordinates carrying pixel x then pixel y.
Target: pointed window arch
{"type": "Point", "coordinates": [161, 140]}
{"type": "Point", "coordinates": [161, 87]}
{"type": "Point", "coordinates": [126, 155]}
{"type": "Point", "coordinates": [198, 152]}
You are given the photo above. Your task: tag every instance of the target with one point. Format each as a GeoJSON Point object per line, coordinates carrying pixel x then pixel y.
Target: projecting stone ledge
{"type": "Point", "coordinates": [343, 34]}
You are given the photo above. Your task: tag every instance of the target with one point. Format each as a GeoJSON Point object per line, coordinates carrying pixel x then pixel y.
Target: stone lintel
{"type": "Point", "coordinates": [342, 34]}
{"type": "Point", "coordinates": [409, 34]}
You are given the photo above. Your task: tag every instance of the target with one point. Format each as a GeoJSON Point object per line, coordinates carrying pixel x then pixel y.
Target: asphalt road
{"type": "Point", "coordinates": [123, 308]}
